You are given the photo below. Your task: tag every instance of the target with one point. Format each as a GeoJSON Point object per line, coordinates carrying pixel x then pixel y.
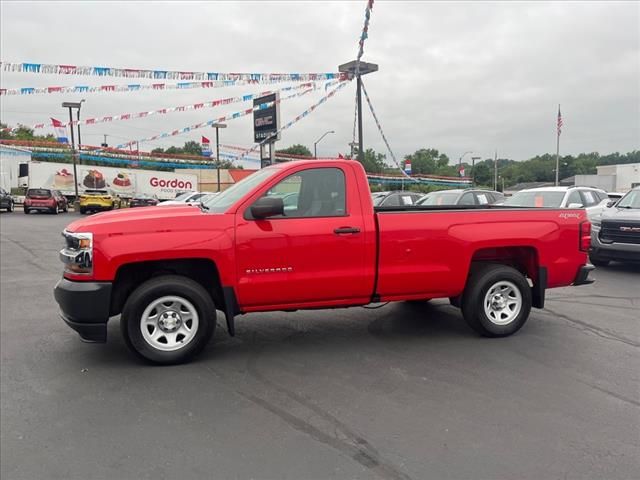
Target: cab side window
{"type": "Point", "coordinates": [574, 197]}
{"type": "Point", "coordinates": [589, 198]}
{"type": "Point", "coordinates": [317, 192]}
{"type": "Point", "coordinates": [467, 199]}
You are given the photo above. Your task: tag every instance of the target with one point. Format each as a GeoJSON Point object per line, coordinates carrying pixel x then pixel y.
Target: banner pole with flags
{"type": "Point", "coordinates": [559, 130]}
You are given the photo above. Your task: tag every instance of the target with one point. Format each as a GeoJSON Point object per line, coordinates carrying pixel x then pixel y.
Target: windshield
{"type": "Point", "coordinates": [630, 200]}
{"type": "Point", "coordinates": [38, 192]}
{"type": "Point", "coordinates": [535, 199]}
{"type": "Point", "coordinates": [448, 198]}
{"type": "Point", "coordinates": [221, 202]}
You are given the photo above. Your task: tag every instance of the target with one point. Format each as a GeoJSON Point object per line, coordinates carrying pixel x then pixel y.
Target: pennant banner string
{"type": "Point", "coordinates": [384, 138]}
{"type": "Point", "coordinates": [209, 123]}
{"type": "Point", "coordinates": [134, 87]}
{"type": "Point", "coordinates": [183, 108]}
{"type": "Point", "coordinates": [163, 74]}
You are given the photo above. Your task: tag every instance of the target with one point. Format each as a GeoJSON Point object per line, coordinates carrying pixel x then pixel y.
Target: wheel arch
{"type": "Point", "coordinates": [524, 258]}
{"type": "Point", "coordinates": [130, 275]}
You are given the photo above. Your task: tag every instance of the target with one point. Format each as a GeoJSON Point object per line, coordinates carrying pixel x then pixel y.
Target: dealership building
{"type": "Point", "coordinates": [612, 178]}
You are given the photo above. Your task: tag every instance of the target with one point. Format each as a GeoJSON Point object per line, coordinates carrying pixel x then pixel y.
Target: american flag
{"type": "Point", "coordinates": [559, 121]}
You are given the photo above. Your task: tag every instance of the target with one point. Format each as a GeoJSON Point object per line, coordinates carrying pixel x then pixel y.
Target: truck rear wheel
{"type": "Point", "coordinates": [168, 319]}
{"type": "Point", "coordinates": [496, 301]}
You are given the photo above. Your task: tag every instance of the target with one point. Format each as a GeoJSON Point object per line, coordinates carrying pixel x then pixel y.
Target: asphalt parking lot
{"type": "Point", "coordinates": [404, 391]}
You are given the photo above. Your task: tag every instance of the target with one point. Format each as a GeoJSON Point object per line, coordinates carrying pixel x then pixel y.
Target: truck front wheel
{"type": "Point", "coordinates": [168, 319]}
{"type": "Point", "coordinates": [496, 301]}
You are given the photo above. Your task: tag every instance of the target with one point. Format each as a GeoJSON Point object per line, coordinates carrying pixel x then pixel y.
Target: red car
{"type": "Point", "coordinates": [167, 271]}
{"type": "Point", "coordinates": [45, 200]}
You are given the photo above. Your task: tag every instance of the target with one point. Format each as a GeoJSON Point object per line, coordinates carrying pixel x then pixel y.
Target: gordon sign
{"type": "Point", "coordinates": [266, 121]}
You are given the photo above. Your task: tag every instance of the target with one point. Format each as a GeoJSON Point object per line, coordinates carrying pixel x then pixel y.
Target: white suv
{"type": "Point", "coordinates": [593, 200]}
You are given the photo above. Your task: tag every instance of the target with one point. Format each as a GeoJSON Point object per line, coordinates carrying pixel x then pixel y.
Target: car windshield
{"type": "Point", "coordinates": [38, 192]}
{"type": "Point", "coordinates": [444, 198]}
{"type": "Point", "coordinates": [221, 202]}
{"type": "Point", "coordinates": [630, 200]}
{"type": "Point", "coordinates": [535, 199]}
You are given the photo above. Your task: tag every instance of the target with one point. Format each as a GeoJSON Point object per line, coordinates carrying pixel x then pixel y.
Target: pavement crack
{"type": "Point", "coordinates": [595, 330]}
{"type": "Point", "coordinates": [613, 394]}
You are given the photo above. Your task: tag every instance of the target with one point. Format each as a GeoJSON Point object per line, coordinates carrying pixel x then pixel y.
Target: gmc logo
{"type": "Point", "coordinates": [630, 229]}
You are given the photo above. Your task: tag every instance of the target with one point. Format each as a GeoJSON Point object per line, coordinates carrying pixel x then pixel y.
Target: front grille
{"type": "Point", "coordinates": [620, 232]}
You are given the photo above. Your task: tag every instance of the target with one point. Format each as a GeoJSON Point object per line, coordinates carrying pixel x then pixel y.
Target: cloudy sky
{"type": "Point", "coordinates": [456, 76]}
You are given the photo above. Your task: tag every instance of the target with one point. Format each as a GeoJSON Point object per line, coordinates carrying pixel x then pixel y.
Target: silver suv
{"type": "Point", "coordinates": [615, 234]}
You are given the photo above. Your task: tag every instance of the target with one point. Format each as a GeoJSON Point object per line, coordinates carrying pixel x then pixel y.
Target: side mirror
{"type": "Point", "coordinates": [611, 203]}
{"type": "Point", "coordinates": [575, 205]}
{"type": "Point", "coordinates": [267, 207]}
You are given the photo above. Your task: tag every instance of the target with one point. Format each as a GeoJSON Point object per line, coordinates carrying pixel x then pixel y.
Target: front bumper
{"type": "Point", "coordinates": [84, 306]}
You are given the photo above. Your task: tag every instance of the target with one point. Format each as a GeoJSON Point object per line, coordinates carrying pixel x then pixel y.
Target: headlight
{"type": "Point", "coordinates": [77, 255]}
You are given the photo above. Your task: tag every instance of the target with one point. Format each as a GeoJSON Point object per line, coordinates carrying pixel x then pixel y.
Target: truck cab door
{"type": "Point", "coordinates": [311, 254]}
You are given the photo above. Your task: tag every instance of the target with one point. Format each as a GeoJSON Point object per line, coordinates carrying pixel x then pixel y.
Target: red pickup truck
{"type": "Point", "coordinates": [305, 235]}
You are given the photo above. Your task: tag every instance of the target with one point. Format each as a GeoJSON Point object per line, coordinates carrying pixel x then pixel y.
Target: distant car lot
{"type": "Point", "coordinates": [404, 391]}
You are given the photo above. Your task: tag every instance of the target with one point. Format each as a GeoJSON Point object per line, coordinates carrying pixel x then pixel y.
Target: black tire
{"type": "Point", "coordinates": [152, 290]}
{"type": "Point", "coordinates": [27, 211]}
{"type": "Point", "coordinates": [65, 209]}
{"type": "Point", "coordinates": [597, 261]}
{"type": "Point", "coordinates": [480, 282]}
{"type": "Point", "coordinates": [56, 210]}
{"type": "Point", "coordinates": [10, 207]}
{"type": "Point", "coordinates": [83, 210]}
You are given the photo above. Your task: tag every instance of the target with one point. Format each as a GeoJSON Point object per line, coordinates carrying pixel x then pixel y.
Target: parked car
{"type": "Point", "coordinates": [143, 200]}
{"type": "Point", "coordinates": [462, 197]}
{"type": "Point", "coordinates": [396, 199]}
{"type": "Point", "coordinates": [615, 196]}
{"type": "Point", "coordinates": [96, 201]}
{"type": "Point", "coordinates": [6, 201]}
{"type": "Point", "coordinates": [593, 200]}
{"type": "Point", "coordinates": [186, 198]}
{"type": "Point", "coordinates": [166, 272]}
{"type": "Point", "coordinates": [44, 200]}
{"type": "Point", "coordinates": [615, 234]}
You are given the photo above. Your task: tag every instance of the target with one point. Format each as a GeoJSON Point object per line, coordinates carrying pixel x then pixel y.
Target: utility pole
{"type": "Point", "coordinates": [473, 171]}
{"type": "Point", "coordinates": [218, 126]}
{"type": "Point", "coordinates": [495, 172]}
{"type": "Point", "coordinates": [105, 144]}
{"type": "Point", "coordinates": [79, 139]}
{"type": "Point", "coordinates": [74, 155]}
{"type": "Point", "coordinates": [357, 69]}
{"type": "Point", "coordinates": [559, 128]}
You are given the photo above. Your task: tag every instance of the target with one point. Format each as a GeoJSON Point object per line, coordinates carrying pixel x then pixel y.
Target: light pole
{"type": "Point", "coordinates": [315, 144]}
{"type": "Point", "coordinates": [71, 106]}
{"type": "Point", "coordinates": [473, 173]}
{"type": "Point", "coordinates": [78, 125]}
{"type": "Point", "coordinates": [460, 160]}
{"type": "Point", "coordinates": [218, 126]}
{"type": "Point", "coordinates": [358, 69]}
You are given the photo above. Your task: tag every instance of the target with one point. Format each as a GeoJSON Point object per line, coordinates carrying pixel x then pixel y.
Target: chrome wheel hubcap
{"type": "Point", "coordinates": [502, 303]}
{"type": "Point", "coordinates": [169, 323]}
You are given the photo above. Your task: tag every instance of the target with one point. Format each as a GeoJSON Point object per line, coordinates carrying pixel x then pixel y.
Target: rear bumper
{"type": "Point", "coordinates": [582, 278]}
{"type": "Point", "coordinates": [84, 306]}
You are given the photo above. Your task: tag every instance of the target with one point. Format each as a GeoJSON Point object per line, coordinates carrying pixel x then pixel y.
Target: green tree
{"type": "Point", "coordinates": [192, 148]}
{"type": "Point", "coordinates": [296, 149]}
{"type": "Point", "coordinates": [373, 162]}
{"type": "Point", "coordinates": [429, 161]}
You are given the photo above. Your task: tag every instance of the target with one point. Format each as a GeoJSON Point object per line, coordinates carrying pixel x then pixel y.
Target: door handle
{"type": "Point", "coordinates": [346, 230]}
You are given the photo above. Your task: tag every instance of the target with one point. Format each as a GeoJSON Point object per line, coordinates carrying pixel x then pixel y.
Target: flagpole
{"type": "Point", "coordinates": [558, 147]}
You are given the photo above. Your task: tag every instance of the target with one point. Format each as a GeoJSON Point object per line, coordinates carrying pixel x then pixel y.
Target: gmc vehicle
{"type": "Point", "coordinates": [616, 233]}
{"type": "Point", "coordinates": [167, 271]}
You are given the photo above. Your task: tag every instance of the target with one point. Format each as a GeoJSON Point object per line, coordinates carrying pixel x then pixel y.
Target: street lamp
{"type": "Point", "coordinates": [218, 126]}
{"type": "Point", "coordinates": [460, 160]}
{"type": "Point", "coordinates": [357, 69]}
{"type": "Point", "coordinates": [71, 106]}
{"type": "Point", "coordinates": [315, 149]}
